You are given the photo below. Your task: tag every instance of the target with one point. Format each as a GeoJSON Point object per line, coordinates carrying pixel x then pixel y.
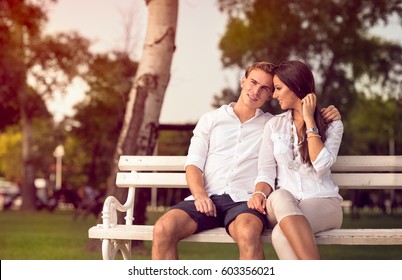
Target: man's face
{"type": "Point", "coordinates": [257, 88]}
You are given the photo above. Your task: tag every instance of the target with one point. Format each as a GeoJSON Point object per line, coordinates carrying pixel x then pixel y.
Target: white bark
{"type": "Point", "coordinates": [138, 134]}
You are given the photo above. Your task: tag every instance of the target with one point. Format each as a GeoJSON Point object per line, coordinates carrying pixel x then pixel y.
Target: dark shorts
{"type": "Point", "coordinates": [227, 210]}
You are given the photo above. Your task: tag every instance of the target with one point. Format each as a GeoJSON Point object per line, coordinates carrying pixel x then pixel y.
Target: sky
{"type": "Point", "coordinates": [196, 72]}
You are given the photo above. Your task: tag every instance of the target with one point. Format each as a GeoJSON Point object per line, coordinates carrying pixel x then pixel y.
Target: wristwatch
{"type": "Point", "coordinates": [313, 130]}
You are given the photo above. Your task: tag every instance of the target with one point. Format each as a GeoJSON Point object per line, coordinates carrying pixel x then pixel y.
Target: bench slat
{"type": "Point", "coordinates": [146, 180]}
{"type": "Point", "coordinates": [360, 237]}
{"type": "Point", "coordinates": [178, 180]}
{"type": "Point", "coordinates": [367, 164]}
{"type": "Point", "coordinates": [152, 163]}
{"type": "Point", "coordinates": [368, 180]}
{"type": "Point", "coordinates": [219, 235]}
{"type": "Point", "coordinates": [342, 164]}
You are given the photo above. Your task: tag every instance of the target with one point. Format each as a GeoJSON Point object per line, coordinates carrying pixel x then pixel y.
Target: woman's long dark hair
{"type": "Point", "coordinates": [298, 77]}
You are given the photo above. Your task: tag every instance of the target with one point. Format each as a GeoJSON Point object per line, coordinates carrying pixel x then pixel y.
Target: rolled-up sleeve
{"type": "Point", "coordinates": [198, 150]}
{"type": "Point", "coordinates": [327, 156]}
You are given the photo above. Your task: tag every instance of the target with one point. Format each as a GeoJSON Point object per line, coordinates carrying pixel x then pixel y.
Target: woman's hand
{"type": "Point", "coordinates": [257, 202]}
{"type": "Point", "coordinates": [309, 102]}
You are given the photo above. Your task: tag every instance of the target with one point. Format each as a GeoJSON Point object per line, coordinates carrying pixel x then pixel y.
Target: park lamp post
{"type": "Point", "coordinates": [58, 154]}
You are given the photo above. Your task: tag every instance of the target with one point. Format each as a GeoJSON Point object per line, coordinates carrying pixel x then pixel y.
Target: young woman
{"type": "Point", "coordinates": [297, 151]}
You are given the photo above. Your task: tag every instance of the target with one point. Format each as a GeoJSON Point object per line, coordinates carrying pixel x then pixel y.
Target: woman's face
{"type": "Point", "coordinates": [287, 99]}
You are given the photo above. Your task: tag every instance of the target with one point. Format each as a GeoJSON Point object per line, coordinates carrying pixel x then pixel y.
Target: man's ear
{"type": "Point", "coordinates": [243, 80]}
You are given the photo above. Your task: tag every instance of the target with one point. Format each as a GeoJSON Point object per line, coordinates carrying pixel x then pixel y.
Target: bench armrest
{"type": "Point", "coordinates": [112, 205]}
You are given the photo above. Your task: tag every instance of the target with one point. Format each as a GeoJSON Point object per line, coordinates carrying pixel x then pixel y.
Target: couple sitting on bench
{"type": "Point", "coordinates": [238, 152]}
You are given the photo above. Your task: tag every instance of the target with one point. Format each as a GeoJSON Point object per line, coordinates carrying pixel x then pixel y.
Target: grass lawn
{"type": "Point", "coordinates": [57, 236]}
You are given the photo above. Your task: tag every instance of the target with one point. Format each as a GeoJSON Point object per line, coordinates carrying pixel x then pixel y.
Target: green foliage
{"type": "Point", "coordinates": [91, 142]}
{"type": "Point", "coordinates": [43, 146]}
{"type": "Point", "coordinates": [373, 127]}
{"type": "Point", "coordinates": [14, 15]}
{"type": "Point", "coordinates": [333, 38]}
{"type": "Point", "coordinates": [228, 95]}
{"type": "Point", "coordinates": [47, 63]}
{"type": "Point", "coordinates": [52, 62]}
{"type": "Point", "coordinates": [327, 34]}
{"type": "Point", "coordinates": [55, 60]}
{"type": "Point", "coordinates": [174, 142]}
{"type": "Point", "coordinates": [10, 146]}
{"type": "Point", "coordinates": [75, 160]}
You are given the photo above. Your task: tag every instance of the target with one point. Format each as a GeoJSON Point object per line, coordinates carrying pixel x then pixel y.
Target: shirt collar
{"type": "Point", "coordinates": [230, 110]}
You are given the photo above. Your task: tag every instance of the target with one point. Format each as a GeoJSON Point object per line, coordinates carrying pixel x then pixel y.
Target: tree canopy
{"type": "Point", "coordinates": [333, 37]}
{"type": "Point", "coordinates": [33, 66]}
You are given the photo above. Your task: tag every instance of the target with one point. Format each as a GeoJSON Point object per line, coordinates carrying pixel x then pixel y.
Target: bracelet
{"type": "Point", "coordinates": [261, 193]}
{"type": "Point", "coordinates": [313, 135]}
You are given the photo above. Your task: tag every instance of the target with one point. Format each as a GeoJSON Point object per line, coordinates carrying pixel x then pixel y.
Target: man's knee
{"type": "Point", "coordinates": [164, 227]}
{"type": "Point", "coordinates": [173, 226]}
{"type": "Point", "coordinates": [247, 228]}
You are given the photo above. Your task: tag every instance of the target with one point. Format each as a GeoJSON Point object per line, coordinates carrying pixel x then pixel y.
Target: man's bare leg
{"type": "Point", "coordinates": [173, 226]}
{"type": "Point", "coordinates": [246, 231]}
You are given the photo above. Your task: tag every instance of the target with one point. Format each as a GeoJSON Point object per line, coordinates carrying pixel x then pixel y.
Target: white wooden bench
{"type": "Point", "coordinates": [349, 172]}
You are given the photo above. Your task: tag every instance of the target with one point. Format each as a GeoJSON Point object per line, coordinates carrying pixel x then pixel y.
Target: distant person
{"type": "Point", "coordinates": [298, 149]}
{"type": "Point", "coordinates": [221, 168]}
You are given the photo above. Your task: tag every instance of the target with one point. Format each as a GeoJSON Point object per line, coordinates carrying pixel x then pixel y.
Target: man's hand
{"type": "Point", "coordinates": [331, 113]}
{"type": "Point", "coordinates": [205, 205]}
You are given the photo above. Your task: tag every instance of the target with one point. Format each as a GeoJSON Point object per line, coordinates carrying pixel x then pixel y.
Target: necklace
{"type": "Point", "coordinates": [294, 165]}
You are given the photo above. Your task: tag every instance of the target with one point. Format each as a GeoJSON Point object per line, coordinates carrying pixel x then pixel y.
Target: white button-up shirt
{"type": "Point", "coordinates": [226, 151]}
{"type": "Point", "coordinates": [276, 153]}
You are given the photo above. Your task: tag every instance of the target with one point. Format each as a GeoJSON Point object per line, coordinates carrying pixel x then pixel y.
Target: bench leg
{"type": "Point", "coordinates": [111, 247]}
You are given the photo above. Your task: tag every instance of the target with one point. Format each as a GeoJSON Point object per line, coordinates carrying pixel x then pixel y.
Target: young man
{"type": "Point", "coordinates": [221, 168]}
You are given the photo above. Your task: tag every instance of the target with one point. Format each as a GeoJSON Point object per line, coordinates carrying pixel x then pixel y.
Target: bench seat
{"type": "Point", "coordinates": [349, 172]}
{"type": "Point", "coordinates": [219, 235]}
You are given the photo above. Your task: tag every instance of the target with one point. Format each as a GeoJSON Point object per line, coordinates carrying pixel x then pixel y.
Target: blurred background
{"type": "Point", "coordinates": [67, 68]}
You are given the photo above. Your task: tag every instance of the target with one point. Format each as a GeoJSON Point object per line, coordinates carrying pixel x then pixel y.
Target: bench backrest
{"type": "Point", "coordinates": [349, 172]}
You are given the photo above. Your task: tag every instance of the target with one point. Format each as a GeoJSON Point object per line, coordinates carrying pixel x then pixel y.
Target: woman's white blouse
{"type": "Point", "coordinates": [276, 152]}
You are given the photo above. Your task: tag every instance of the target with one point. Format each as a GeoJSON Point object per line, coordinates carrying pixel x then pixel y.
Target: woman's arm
{"type": "Point", "coordinates": [327, 157]}
{"type": "Point", "coordinates": [322, 155]}
{"type": "Point", "coordinates": [314, 140]}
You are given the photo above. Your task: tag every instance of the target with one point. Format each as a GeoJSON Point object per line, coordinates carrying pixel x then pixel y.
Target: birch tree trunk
{"type": "Point", "coordinates": [139, 132]}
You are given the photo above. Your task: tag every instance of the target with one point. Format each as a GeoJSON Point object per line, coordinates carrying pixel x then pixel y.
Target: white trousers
{"type": "Point", "coordinates": [322, 214]}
